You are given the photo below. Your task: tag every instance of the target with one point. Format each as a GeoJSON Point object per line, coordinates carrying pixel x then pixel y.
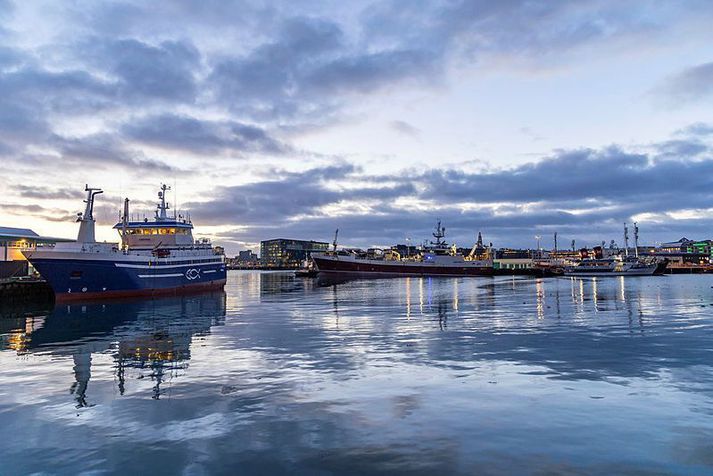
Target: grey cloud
{"type": "Point", "coordinates": [523, 28]}
{"type": "Point", "coordinates": [104, 149]}
{"type": "Point", "coordinates": [611, 174]}
{"type": "Point", "coordinates": [26, 191]}
{"type": "Point", "coordinates": [266, 81]}
{"type": "Point", "coordinates": [6, 150]}
{"type": "Point", "coordinates": [682, 148]}
{"type": "Point", "coordinates": [7, 8]}
{"type": "Point", "coordinates": [9, 56]}
{"type": "Point", "coordinates": [19, 123]}
{"type": "Point", "coordinates": [405, 128]}
{"type": "Point", "coordinates": [144, 71]}
{"type": "Point", "coordinates": [691, 84]}
{"type": "Point", "coordinates": [368, 72]}
{"type": "Point", "coordinates": [49, 214]}
{"type": "Point", "coordinates": [697, 129]}
{"type": "Point", "coordinates": [122, 18]}
{"type": "Point", "coordinates": [30, 95]}
{"type": "Point", "coordinates": [307, 68]}
{"type": "Point", "coordinates": [290, 195]}
{"type": "Point", "coordinates": [202, 137]}
{"type": "Point", "coordinates": [26, 83]}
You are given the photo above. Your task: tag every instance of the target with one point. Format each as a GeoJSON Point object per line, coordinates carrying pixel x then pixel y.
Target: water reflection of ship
{"type": "Point", "coordinates": [153, 335]}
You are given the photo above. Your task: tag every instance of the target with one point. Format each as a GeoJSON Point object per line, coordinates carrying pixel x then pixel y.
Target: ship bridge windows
{"type": "Point", "coordinates": [158, 231]}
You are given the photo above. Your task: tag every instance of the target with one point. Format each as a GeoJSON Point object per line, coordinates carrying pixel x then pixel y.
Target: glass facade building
{"type": "Point", "coordinates": [282, 252]}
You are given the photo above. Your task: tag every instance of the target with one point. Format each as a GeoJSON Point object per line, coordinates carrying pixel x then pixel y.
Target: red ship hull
{"type": "Point", "coordinates": [397, 268]}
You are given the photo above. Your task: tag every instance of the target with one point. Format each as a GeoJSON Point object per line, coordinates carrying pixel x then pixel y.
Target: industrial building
{"type": "Point", "coordinates": [287, 253]}
{"type": "Point", "coordinates": [513, 259]}
{"type": "Point", "coordinates": [13, 241]}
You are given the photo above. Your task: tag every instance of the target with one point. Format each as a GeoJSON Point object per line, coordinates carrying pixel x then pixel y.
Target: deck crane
{"type": "Point", "coordinates": [334, 243]}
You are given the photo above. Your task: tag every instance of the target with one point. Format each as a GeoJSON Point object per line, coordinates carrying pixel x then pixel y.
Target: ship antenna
{"type": "Point", "coordinates": [334, 243]}
{"type": "Point", "coordinates": [162, 206]}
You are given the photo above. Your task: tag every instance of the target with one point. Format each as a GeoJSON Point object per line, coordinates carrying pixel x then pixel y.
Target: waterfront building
{"type": "Point", "coordinates": [246, 257]}
{"type": "Point", "coordinates": [685, 251]}
{"type": "Point", "coordinates": [684, 245]}
{"type": "Point", "coordinates": [283, 252]}
{"type": "Point", "coordinates": [13, 241]}
{"type": "Point", "coordinates": [514, 259]}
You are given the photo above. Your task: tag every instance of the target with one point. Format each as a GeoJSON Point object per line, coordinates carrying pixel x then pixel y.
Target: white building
{"type": "Point", "coordinates": [13, 241]}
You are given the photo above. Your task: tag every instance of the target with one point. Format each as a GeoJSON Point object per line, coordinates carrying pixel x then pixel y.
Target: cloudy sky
{"type": "Point", "coordinates": [290, 119]}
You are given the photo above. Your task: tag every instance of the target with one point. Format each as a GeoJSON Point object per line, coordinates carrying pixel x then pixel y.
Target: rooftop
{"type": "Point", "coordinates": [26, 233]}
{"type": "Point", "coordinates": [7, 232]}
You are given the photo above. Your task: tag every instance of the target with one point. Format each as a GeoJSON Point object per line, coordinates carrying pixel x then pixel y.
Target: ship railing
{"type": "Point", "coordinates": [186, 252]}
{"type": "Point", "coordinates": [88, 247]}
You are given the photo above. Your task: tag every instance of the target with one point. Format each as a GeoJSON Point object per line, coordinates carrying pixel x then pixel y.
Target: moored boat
{"type": "Point", "coordinates": [436, 259]}
{"type": "Point", "coordinates": [154, 257]}
{"type": "Point", "coordinates": [615, 266]}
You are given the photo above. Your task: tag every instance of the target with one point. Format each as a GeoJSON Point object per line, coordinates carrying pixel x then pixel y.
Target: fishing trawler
{"type": "Point", "coordinates": [435, 259]}
{"type": "Point", "coordinates": [154, 257]}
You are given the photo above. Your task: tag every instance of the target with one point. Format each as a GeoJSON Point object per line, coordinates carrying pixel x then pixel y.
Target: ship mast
{"type": "Point", "coordinates": [626, 240]}
{"type": "Point", "coordinates": [636, 239]}
{"type": "Point", "coordinates": [86, 220]}
{"type": "Point", "coordinates": [162, 207]}
{"type": "Point", "coordinates": [440, 233]}
{"type": "Point", "coordinates": [125, 224]}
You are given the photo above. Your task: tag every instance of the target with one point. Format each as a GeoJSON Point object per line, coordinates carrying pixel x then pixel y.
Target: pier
{"type": "Point", "coordinates": [24, 291]}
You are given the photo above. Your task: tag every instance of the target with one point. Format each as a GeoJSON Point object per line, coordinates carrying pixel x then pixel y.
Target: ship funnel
{"type": "Point", "coordinates": [86, 220]}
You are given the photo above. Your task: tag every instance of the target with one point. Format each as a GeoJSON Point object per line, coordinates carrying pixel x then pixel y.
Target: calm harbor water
{"type": "Point", "coordinates": [434, 376]}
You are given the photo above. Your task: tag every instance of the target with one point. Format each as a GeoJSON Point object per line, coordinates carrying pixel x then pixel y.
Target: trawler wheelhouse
{"type": "Point", "coordinates": [138, 235]}
{"type": "Point", "coordinates": [165, 232]}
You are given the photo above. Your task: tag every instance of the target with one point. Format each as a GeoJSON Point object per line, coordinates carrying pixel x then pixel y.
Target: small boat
{"type": "Point", "coordinates": [307, 270]}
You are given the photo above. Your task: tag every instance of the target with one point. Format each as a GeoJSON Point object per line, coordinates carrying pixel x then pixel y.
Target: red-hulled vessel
{"type": "Point", "coordinates": [435, 259]}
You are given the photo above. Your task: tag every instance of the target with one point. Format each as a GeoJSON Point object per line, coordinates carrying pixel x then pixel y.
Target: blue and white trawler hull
{"type": "Point", "coordinates": [74, 276]}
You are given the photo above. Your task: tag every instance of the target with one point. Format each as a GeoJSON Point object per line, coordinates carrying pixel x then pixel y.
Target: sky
{"type": "Point", "coordinates": [291, 119]}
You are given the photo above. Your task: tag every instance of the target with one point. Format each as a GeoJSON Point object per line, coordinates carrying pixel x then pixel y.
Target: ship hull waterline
{"type": "Point", "coordinates": [606, 275]}
{"type": "Point", "coordinates": [370, 268]}
{"type": "Point", "coordinates": [73, 280]}
{"type": "Point", "coordinates": [652, 271]}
